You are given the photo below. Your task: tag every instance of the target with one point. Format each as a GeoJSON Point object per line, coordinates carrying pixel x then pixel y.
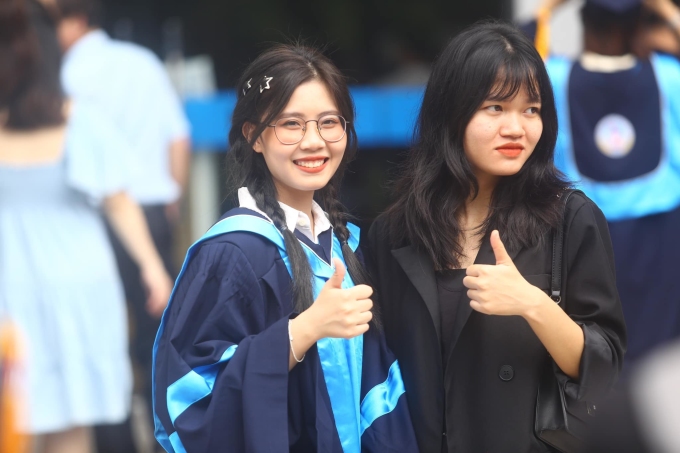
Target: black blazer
{"type": "Point", "coordinates": [495, 365]}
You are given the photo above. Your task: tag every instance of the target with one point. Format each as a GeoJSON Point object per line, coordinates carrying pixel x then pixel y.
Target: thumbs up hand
{"type": "Point", "coordinates": [500, 289]}
{"type": "Point", "coordinates": [338, 312]}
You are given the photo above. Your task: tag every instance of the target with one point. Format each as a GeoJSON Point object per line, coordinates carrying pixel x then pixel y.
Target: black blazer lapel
{"type": "Point", "coordinates": [420, 271]}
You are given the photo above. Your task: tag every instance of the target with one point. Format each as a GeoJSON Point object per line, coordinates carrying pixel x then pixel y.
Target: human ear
{"type": "Point", "coordinates": [247, 130]}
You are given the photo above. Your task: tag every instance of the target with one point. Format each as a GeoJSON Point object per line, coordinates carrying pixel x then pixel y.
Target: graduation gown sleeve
{"type": "Point", "coordinates": [221, 369]}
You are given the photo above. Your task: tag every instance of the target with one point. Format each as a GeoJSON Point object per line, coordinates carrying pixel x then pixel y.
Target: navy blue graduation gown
{"type": "Point", "coordinates": [619, 139]}
{"type": "Point", "coordinates": [221, 379]}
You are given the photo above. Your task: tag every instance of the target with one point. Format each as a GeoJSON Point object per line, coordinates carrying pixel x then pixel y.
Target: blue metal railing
{"type": "Point", "coordinates": [385, 117]}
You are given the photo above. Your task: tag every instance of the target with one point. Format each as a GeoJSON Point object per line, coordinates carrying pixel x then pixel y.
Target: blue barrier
{"type": "Point", "coordinates": [385, 117]}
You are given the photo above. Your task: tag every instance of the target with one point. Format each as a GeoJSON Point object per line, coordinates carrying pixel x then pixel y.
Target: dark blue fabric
{"type": "Point", "coordinates": [646, 251]}
{"type": "Point", "coordinates": [237, 291]}
{"type": "Point", "coordinates": [633, 94]}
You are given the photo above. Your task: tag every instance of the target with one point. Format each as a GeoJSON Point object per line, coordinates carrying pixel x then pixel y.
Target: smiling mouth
{"type": "Point", "coordinates": [310, 163]}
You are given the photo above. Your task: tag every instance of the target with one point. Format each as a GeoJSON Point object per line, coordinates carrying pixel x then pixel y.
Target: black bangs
{"type": "Point", "coordinates": [511, 78]}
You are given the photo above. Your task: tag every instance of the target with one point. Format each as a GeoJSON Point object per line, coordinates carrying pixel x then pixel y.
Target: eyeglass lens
{"type": "Point", "coordinates": [291, 130]}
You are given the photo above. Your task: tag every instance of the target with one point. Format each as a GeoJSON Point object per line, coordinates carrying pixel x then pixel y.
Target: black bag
{"type": "Point", "coordinates": [561, 421]}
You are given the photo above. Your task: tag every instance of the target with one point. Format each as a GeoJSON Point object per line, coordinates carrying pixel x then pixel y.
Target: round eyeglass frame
{"type": "Point", "coordinates": [304, 130]}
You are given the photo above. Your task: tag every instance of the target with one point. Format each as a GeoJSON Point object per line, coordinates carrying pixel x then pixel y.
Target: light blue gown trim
{"type": "Point", "coordinates": [194, 386]}
{"type": "Point", "coordinates": [341, 359]}
{"type": "Point", "coordinates": [383, 398]}
{"type": "Point", "coordinates": [652, 193]}
{"type": "Point", "coordinates": [176, 443]}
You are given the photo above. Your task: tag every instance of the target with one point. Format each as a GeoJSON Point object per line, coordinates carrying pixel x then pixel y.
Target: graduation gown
{"type": "Point", "coordinates": [221, 379]}
{"type": "Point", "coordinates": [619, 139]}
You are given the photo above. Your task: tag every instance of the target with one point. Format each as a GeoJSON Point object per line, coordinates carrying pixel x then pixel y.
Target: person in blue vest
{"type": "Point", "coordinates": [619, 139]}
{"type": "Point", "coordinates": [269, 342]}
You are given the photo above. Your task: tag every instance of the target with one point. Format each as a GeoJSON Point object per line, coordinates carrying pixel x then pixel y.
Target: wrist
{"type": "Point", "coordinates": [537, 303]}
{"type": "Point", "coordinates": [303, 330]}
{"type": "Point", "coordinates": [152, 265]}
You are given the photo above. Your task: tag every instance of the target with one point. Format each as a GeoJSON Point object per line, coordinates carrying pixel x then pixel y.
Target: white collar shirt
{"type": "Point", "coordinates": [295, 220]}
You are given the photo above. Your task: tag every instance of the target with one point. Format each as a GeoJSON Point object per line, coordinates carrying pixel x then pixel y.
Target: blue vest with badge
{"type": "Point", "coordinates": [655, 189]}
{"type": "Point", "coordinates": [341, 359]}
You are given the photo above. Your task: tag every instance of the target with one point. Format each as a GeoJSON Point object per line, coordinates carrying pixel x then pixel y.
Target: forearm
{"type": "Point", "coordinates": [129, 224]}
{"type": "Point", "coordinates": [560, 335]}
{"type": "Point", "coordinates": [180, 155]}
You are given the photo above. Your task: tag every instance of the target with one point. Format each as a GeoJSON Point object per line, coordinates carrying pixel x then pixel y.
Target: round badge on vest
{"type": "Point", "coordinates": [615, 136]}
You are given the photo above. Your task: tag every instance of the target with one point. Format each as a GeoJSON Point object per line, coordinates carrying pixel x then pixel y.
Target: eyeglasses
{"type": "Point", "coordinates": [290, 131]}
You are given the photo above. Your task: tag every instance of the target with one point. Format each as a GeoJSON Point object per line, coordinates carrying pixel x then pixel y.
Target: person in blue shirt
{"type": "Point", "coordinates": [619, 139]}
{"type": "Point", "coordinates": [269, 342]}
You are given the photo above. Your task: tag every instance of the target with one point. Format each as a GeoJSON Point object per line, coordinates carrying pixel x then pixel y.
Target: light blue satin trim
{"type": "Point", "coordinates": [341, 360]}
{"type": "Point", "coordinates": [655, 192]}
{"type": "Point", "coordinates": [194, 386]}
{"type": "Point", "coordinates": [176, 443]}
{"type": "Point", "coordinates": [383, 398]}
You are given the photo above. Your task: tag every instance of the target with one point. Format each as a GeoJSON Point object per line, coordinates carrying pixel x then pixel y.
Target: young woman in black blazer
{"type": "Point", "coordinates": [465, 309]}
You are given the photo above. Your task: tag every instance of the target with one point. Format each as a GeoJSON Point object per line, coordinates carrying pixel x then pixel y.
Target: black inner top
{"type": "Point", "coordinates": [452, 293]}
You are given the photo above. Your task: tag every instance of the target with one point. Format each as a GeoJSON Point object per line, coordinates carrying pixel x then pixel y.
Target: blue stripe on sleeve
{"type": "Point", "coordinates": [193, 386]}
{"type": "Point", "coordinates": [176, 443]}
{"type": "Point", "coordinates": [383, 398]}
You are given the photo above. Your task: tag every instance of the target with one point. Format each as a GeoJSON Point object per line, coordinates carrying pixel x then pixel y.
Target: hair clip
{"type": "Point", "coordinates": [266, 82]}
{"type": "Point", "coordinates": [248, 86]}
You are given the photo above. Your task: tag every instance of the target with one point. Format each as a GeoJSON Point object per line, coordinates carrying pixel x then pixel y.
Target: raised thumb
{"type": "Point", "coordinates": [338, 276]}
{"type": "Point", "coordinates": [502, 256]}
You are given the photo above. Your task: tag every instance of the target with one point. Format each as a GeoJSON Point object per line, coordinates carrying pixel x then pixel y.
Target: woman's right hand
{"type": "Point", "coordinates": [337, 312]}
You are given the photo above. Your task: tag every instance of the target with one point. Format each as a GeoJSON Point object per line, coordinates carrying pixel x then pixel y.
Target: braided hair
{"type": "Point", "coordinates": [290, 66]}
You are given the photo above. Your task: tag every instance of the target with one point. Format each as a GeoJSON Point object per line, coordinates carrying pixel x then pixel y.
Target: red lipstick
{"type": "Point", "coordinates": [510, 149]}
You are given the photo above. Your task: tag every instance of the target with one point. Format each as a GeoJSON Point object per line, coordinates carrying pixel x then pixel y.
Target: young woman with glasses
{"type": "Point", "coordinates": [269, 343]}
{"type": "Point", "coordinates": [466, 310]}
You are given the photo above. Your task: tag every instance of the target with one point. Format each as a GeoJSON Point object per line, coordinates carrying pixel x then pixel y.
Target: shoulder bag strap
{"type": "Point", "coordinates": [558, 243]}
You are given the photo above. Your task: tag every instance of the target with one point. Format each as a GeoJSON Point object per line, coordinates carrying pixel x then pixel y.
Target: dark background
{"type": "Point", "coordinates": [371, 41]}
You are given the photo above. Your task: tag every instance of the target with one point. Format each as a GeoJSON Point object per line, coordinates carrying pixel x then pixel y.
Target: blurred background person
{"type": "Point", "coordinates": [59, 163]}
{"type": "Point", "coordinates": [659, 28]}
{"type": "Point", "coordinates": [620, 140]}
{"type": "Point", "coordinates": [130, 84]}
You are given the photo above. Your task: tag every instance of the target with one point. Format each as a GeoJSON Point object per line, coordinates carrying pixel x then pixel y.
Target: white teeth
{"type": "Point", "coordinates": [310, 163]}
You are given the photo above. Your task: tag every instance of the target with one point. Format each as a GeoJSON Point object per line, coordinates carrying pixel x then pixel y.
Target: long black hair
{"type": "Point", "coordinates": [290, 66]}
{"type": "Point", "coordinates": [30, 61]}
{"type": "Point", "coordinates": [487, 60]}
